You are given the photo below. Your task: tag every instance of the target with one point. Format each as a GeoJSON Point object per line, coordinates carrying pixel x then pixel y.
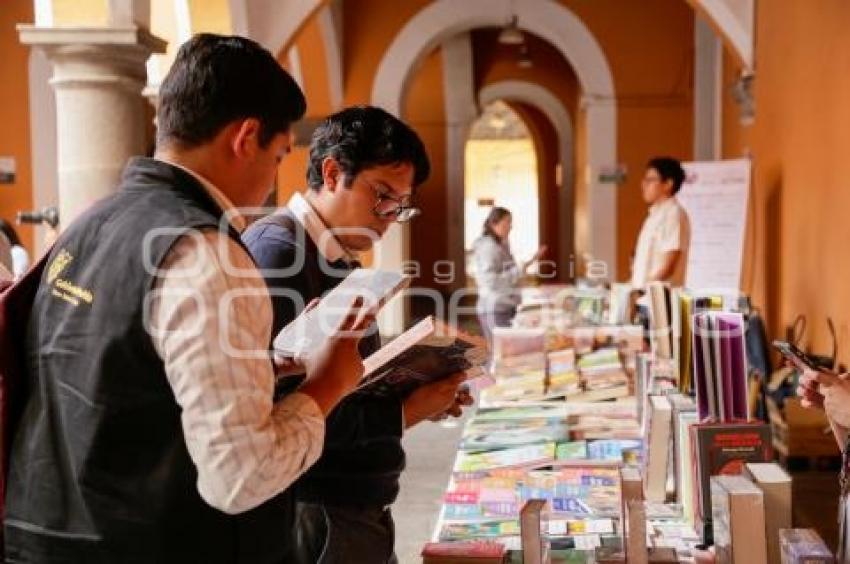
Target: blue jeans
{"type": "Point", "coordinates": [343, 535]}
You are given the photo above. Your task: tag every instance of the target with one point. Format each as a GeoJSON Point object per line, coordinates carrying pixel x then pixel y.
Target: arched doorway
{"type": "Point", "coordinates": [501, 170]}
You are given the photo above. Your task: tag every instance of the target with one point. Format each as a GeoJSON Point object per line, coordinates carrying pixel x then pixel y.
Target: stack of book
{"type": "Point", "coordinates": [486, 504]}
{"type": "Point", "coordinates": [620, 304]}
{"type": "Point", "coordinates": [518, 365]}
{"type": "Point", "coordinates": [658, 448]}
{"type": "Point", "coordinates": [484, 435]}
{"type": "Point", "coordinates": [775, 484]}
{"type": "Point", "coordinates": [596, 366]}
{"type": "Point", "coordinates": [684, 415]}
{"type": "Point", "coordinates": [589, 306]}
{"type": "Point", "coordinates": [467, 552]}
{"type": "Point", "coordinates": [673, 532]}
{"type": "Point", "coordinates": [429, 351]}
{"type": "Point", "coordinates": [660, 327]}
{"type": "Point", "coordinates": [531, 315]}
{"type": "Point", "coordinates": [512, 454]}
{"type": "Point", "coordinates": [720, 366]}
{"type": "Point", "coordinates": [738, 520]}
{"type": "Point", "coordinates": [652, 377]}
{"type": "Point", "coordinates": [723, 449]}
{"type": "Point", "coordinates": [579, 431]}
{"type": "Point", "coordinates": [684, 305]}
{"type": "Point", "coordinates": [562, 377]}
{"type": "Point", "coordinates": [525, 456]}
{"type": "Point", "coordinates": [803, 546]}
{"type": "Point", "coordinates": [615, 422]}
{"type": "Point", "coordinates": [602, 375]}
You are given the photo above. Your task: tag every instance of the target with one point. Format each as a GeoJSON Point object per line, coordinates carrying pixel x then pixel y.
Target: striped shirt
{"type": "Point", "coordinates": [210, 321]}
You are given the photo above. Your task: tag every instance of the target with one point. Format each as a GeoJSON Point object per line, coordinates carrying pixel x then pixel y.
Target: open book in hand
{"type": "Point", "coordinates": [309, 330]}
{"type": "Point", "coordinates": [427, 352]}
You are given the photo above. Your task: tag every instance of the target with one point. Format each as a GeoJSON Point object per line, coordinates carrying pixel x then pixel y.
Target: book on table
{"type": "Point", "coordinates": [427, 352]}
{"type": "Point", "coordinates": [308, 331]}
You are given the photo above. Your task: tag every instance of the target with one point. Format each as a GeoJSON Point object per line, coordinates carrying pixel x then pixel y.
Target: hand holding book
{"type": "Point", "coordinates": [335, 368]}
{"type": "Point", "coordinates": [428, 352]}
{"type": "Point", "coordinates": [285, 365]}
{"type": "Point", "coordinates": [432, 399]}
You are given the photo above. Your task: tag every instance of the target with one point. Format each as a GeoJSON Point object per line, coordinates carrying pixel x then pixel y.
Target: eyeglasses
{"type": "Point", "coordinates": [388, 206]}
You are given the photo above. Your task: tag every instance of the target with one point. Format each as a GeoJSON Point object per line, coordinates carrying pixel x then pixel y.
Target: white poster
{"type": "Point", "coordinates": [715, 195]}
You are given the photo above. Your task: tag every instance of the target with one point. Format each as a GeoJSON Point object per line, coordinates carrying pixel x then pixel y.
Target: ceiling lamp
{"type": "Point", "coordinates": [497, 122]}
{"type": "Point", "coordinates": [511, 34]}
{"type": "Point", "coordinates": [524, 61]}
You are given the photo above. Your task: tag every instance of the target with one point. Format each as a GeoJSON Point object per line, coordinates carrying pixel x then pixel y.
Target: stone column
{"type": "Point", "coordinates": [98, 77]}
{"type": "Point", "coordinates": [601, 141]}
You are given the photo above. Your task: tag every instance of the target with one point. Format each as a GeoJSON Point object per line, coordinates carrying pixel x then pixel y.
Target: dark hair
{"type": "Point", "coordinates": [218, 79]}
{"type": "Point", "coordinates": [495, 216]}
{"type": "Point", "coordinates": [10, 233]}
{"type": "Point", "coordinates": [668, 168]}
{"type": "Point", "coordinates": [363, 137]}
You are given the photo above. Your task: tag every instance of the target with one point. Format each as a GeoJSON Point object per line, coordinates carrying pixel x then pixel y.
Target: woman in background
{"type": "Point", "coordinates": [19, 260]}
{"type": "Point", "coordinates": [497, 272]}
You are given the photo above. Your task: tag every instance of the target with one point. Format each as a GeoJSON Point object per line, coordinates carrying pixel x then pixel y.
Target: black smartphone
{"type": "Point", "coordinates": [791, 352]}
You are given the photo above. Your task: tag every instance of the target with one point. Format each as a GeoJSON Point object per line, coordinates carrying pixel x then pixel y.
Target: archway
{"type": "Point", "coordinates": [536, 96]}
{"type": "Point", "coordinates": [567, 33]}
{"type": "Point", "coordinates": [501, 170]}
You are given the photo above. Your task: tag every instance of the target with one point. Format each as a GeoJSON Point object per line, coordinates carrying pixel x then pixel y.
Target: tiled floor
{"type": "Point", "coordinates": [430, 450]}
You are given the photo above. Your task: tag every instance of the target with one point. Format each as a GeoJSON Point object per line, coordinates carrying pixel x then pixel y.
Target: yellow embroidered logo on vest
{"type": "Point", "coordinates": [65, 289]}
{"type": "Point", "coordinates": [60, 262]}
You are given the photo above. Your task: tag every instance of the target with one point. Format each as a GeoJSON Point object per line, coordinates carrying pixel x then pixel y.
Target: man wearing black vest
{"type": "Point", "coordinates": [150, 433]}
{"type": "Point", "coordinates": [364, 167]}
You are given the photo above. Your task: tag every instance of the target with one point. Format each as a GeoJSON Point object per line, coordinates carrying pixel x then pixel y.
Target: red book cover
{"type": "Point", "coordinates": [467, 549]}
{"type": "Point", "coordinates": [724, 448]}
{"type": "Point", "coordinates": [461, 497]}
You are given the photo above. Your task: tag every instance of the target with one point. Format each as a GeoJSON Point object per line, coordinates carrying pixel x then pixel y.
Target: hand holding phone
{"type": "Point", "coordinates": [795, 355]}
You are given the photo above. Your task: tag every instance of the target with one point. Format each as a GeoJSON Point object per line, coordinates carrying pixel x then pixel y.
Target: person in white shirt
{"type": "Point", "coordinates": [18, 256]}
{"type": "Point", "coordinates": [661, 254]}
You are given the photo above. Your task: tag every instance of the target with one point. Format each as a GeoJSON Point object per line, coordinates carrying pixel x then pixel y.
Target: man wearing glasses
{"type": "Point", "coordinates": [364, 168]}
{"type": "Point", "coordinates": [661, 254]}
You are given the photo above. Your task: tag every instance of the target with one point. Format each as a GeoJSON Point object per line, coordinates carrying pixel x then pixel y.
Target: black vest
{"type": "Point", "coordinates": [363, 455]}
{"type": "Point", "coordinates": [99, 469]}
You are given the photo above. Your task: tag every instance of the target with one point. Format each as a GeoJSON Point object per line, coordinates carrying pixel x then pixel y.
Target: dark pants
{"type": "Point", "coordinates": [497, 318]}
{"type": "Point", "coordinates": [642, 319]}
{"type": "Point", "coordinates": [343, 535]}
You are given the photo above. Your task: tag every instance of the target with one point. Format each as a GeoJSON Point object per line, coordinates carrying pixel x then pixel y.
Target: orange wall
{"type": "Point", "coordinates": [546, 147]}
{"type": "Point", "coordinates": [495, 62]}
{"type": "Point", "coordinates": [291, 176]}
{"type": "Point", "coordinates": [735, 143]}
{"type": "Point", "coordinates": [311, 49]}
{"type": "Point", "coordinates": [800, 142]}
{"type": "Point", "coordinates": [14, 114]}
{"type": "Point", "coordinates": [369, 28]}
{"type": "Point", "coordinates": [424, 111]}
